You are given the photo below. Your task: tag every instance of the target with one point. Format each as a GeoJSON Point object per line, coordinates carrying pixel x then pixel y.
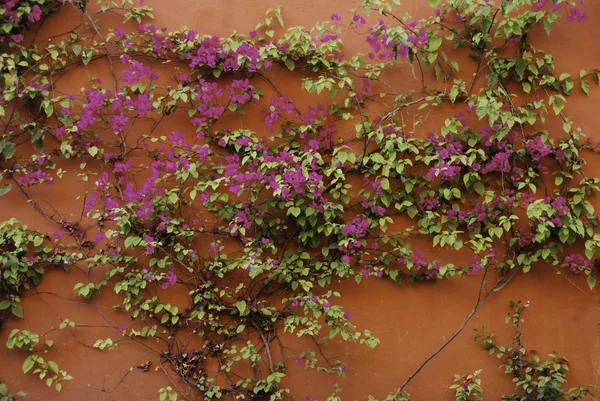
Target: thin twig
{"type": "Point", "coordinates": [480, 301]}
{"type": "Point", "coordinates": [103, 44]}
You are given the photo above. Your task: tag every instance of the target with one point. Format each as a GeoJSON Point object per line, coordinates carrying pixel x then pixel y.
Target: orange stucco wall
{"type": "Point", "coordinates": [411, 321]}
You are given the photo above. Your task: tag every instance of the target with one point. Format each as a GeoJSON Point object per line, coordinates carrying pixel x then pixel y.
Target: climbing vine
{"type": "Point", "coordinates": [534, 379]}
{"type": "Point", "coordinates": [256, 225]}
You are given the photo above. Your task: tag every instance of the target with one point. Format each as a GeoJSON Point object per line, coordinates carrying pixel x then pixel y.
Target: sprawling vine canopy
{"type": "Point", "coordinates": [257, 226]}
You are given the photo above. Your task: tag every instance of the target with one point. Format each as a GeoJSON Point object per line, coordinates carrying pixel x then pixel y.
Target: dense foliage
{"type": "Point", "coordinates": [257, 225]}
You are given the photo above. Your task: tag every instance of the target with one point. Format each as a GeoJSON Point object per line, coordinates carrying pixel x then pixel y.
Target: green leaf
{"type": "Point", "coordinates": [385, 184]}
{"type": "Point", "coordinates": [585, 86]}
{"type": "Point", "coordinates": [372, 341]}
{"type": "Point", "coordinates": [17, 310]}
{"type": "Point", "coordinates": [28, 363]}
{"type": "Point", "coordinates": [591, 281]}
{"type": "Point", "coordinates": [378, 158]}
{"type": "Point", "coordinates": [289, 63]}
{"type": "Point", "coordinates": [479, 188]}
{"type": "Point", "coordinates": [433, 3]}
{"type": "Point", "coordinates": [557, 104]}
{"type": "Point", "coordinates": [589, 252]}
{"type": "Point", "coordinates": [129, 241]}
{"type": "Point", "coordinates": [435, 43]}
{"type": "Point", "coordinates": [38, 241]}
{"type": "Point", "coordinates": [53, 366]}
{"type": "Point", "coordinates": [453, 93]}
{"type": "Point", "coordinates": [242, 307]}
{"type": "Point", "coordinates": [5, 189]}
{"type": "Point", "coordinates": [9, 150]}
{"type": "Point", "coordinates": [564, 76]}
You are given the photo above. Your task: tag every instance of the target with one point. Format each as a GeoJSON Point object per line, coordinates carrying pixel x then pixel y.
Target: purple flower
{"type": "Point", "coordinates": [428, 203]}
{"type": "Point", "coordinates": [176, 138]}
{"type": "Point", "coordinates": [343, 367]}
{"type": "Point", "coordinates": [326, 305]}
{"type": "Point", "coordinates": [359, 20]}
{"type": "Point", "coordinates": [34, 177]}
{"type": "Point", "coordinates": [347, 315]}
{"type": "Point", "coordinates": [299, 361]}
{"type": "Point", "coordinates": [575, 14]}
{"type": "Point", "coordinates": [537, 6]}
{"type": "Point", "coordinates": [118, 123]}
{"type": "Point", "coordinates": [500, 162]}
{"type": "Point", "coordinates": [35, 14]}
{"type": "Point", "coordinates": [58, 234]}
{"type": "Point", "coordinates": [328, 38]}
{"type": "Point", "coordinates": [475, 266]}
{"type": "Point", "coordinates": [335, 17]}
{"type": "Point", "coordinates": [358, 227]}
{"type": "Point", "coordinates": [98, 237]}
{"type": "Point", "coordinates": [171, 278]}
{"type": "Point", "coordinates": [537, 149]}
{"type": "Point", "coordinates": [419, 260]}
{"type": "Point", "coordinates": [244, 141]}
{"type": "Point", "coordinates": [120, 32]}
{"type": "Point", "coordinates": [444, 171]}
{"type": "Point", "coordinates": [577, 263]}
{"type": "Point", "coordinates": [295, 302]}
{"type": "Point", "coordinates": [10, 4]}
{"type": "Point", "coordinates": [135, 72]}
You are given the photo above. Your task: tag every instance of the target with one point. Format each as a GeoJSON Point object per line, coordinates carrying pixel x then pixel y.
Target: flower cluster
{"type": "Point", "coordinates": [577, 263]}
